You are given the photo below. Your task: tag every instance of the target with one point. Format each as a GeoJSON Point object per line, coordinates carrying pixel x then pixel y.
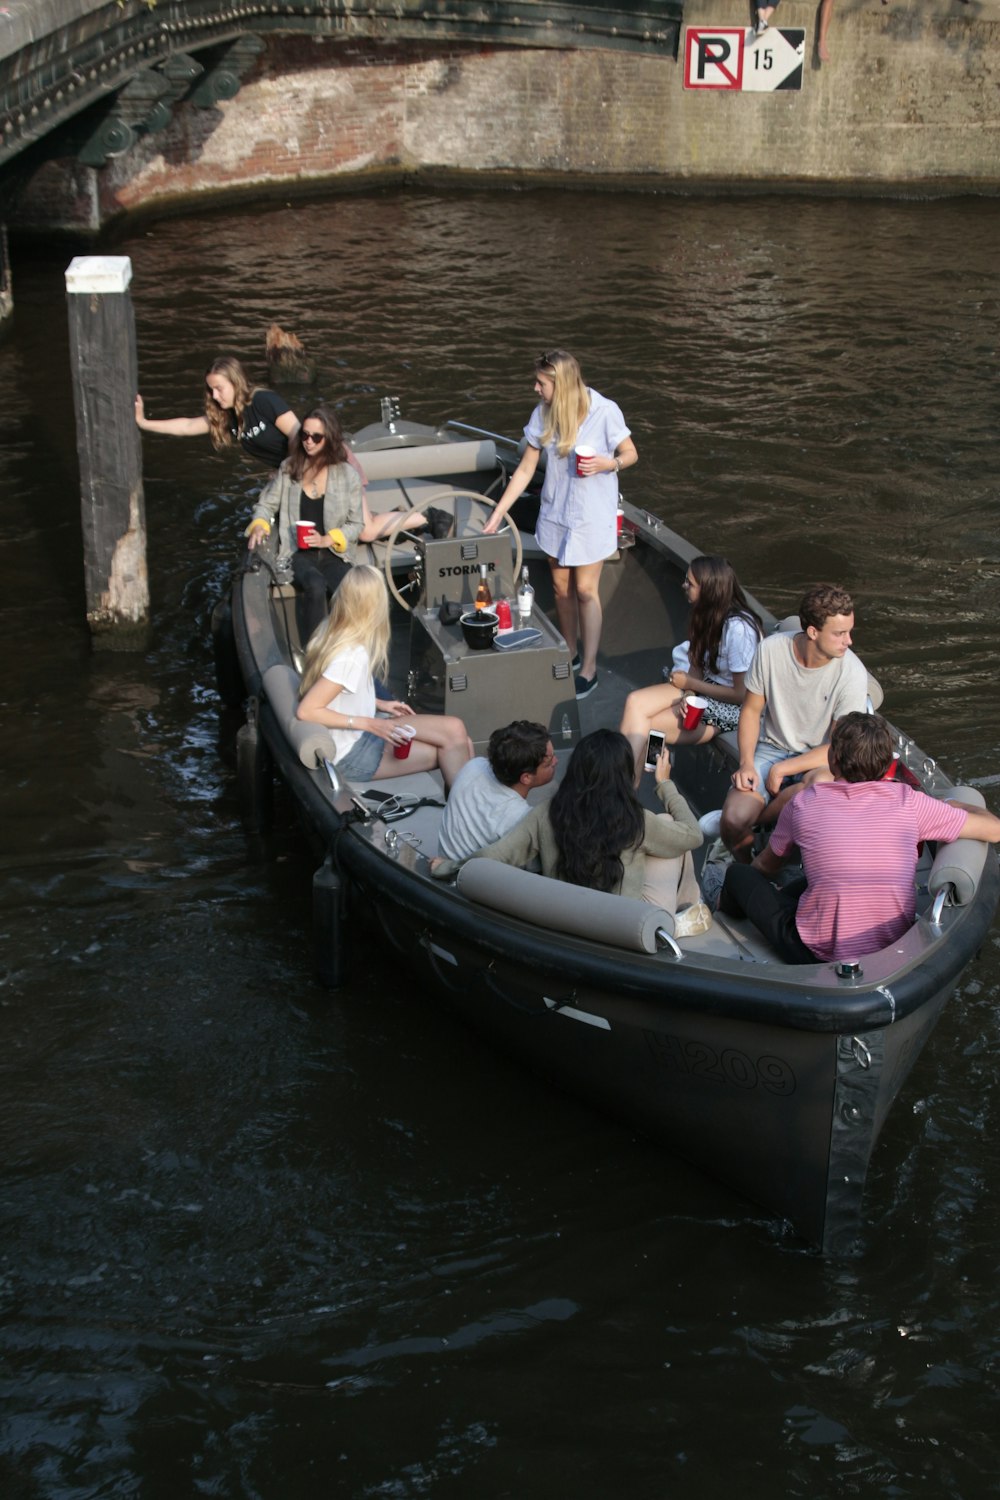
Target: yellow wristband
{"type": "Point", "coordinates": [338, 540]}
{"type": "Point", "coordinates": [259, 522]}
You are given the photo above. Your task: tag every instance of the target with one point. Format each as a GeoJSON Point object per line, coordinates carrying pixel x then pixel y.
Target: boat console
{"type": "Point", "coordinates": [485, 688]}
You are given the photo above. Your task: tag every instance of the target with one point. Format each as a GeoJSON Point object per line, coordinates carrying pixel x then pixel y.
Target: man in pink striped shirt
{"type": "Point", "coordinates": [857, 837]}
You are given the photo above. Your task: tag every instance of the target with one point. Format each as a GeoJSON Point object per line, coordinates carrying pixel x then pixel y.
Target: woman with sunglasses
{"type": "Point", "coordinates": [576, 524]}
{"type": "Point", "coordinates": [317, 484]}
{"type": "Point", "coordinates": [237, 414]}
{"type": "Point", "coordinates": [339, 689]}
{"type": "Point", "coordinates": [725, 634]}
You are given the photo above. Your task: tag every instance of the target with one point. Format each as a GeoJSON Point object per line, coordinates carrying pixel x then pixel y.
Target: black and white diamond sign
{"type": "Point", "coordinates": [773, 60]}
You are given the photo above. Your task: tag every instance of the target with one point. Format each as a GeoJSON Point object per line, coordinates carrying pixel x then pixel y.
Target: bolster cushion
{"type": "Point", "coordinates": [427, 460]}
{"type": "Point", "coordinates": [959, 865]}
{"type": "Point", "coordinates": [620, 921]}
{"type": "Point", "coordinates": [313, 742]}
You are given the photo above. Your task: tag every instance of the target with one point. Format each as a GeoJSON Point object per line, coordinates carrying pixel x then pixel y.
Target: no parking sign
{"type": "Point", "coordinates": [734, 58]}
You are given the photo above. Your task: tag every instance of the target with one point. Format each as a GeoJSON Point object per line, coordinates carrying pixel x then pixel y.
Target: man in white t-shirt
{"type": "Point", "coordinates": [797, 687]}
{"type": "Point", "coordinates": [490, 797]}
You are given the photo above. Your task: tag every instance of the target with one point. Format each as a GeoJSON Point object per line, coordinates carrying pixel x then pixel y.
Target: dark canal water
{"type": "Point", "coordinates": [261, 1242]}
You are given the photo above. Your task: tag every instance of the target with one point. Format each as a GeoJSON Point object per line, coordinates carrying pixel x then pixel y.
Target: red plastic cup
{"type": "Point", "coordinates": [693, 710]}
{"type": "Point", "coordinates": [890, 774]}
{"type": "Point", "coordinates": [504, 620]}
{"type": "Point", "coordinates": [403, 750]}
{"type": "Point", "coordinates": [302, 530]}
{"type": "Point", "coordinates": [584, 451]}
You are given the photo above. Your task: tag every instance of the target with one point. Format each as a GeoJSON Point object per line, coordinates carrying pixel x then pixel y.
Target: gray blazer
{"type": "Point", "coordinates": [341, 509]}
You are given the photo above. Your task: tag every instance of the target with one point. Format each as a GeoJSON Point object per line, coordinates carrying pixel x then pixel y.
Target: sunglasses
{"type": "Point", "coordinates": [313, 437]}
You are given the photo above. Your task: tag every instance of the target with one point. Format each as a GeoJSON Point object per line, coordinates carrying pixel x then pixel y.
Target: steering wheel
{"type": "Point", "coordinates": [445, 498]}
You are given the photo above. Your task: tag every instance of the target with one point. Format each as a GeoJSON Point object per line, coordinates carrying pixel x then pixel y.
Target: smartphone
{"type": "Point", "coordinates": [653, 747]}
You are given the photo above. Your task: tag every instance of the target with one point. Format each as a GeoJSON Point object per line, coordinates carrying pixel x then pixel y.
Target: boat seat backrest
{"type": "Point", "coordinates": [429, 460]}
{"type": "Point", "coordinates": [620, 921]}
{"type": "Point", "coordinates": [958, 866]}
{"type": "Point", "coordinates": [311, 741]}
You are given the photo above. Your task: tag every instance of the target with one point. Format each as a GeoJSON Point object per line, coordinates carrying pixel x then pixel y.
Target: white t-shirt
{"type": "Point", "coordinates": [737, 649]}
{"type": "Point", "coordinates": [801, 703]}
{"type": "Point", "coordinates": [479, 811]}
{"type": "Point", "coordinates": [357, 696]}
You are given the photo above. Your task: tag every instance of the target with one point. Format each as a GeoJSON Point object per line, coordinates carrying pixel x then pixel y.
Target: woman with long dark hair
{"type": "Point", "coordinates": [237, 414]}
{"type": "Point", "coordinates": [725, 633]}
{"type": "Point", "coordinates": [595, 832]}
{"type": "Point", "coordinates": [576, 524]}
{"type": "Point", "coordinates": [316, 483]}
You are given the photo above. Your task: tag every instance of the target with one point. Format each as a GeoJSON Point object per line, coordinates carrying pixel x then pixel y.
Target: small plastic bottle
{"type": "Point", "coordinates": [525, 597]}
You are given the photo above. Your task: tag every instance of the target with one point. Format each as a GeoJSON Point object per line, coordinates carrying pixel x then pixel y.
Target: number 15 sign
{"type": "Point", "coordinates": [731, 57]}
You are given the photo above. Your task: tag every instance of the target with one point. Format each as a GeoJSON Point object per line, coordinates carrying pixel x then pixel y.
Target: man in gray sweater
{"type": "Point", "coordinates": [490, 797]}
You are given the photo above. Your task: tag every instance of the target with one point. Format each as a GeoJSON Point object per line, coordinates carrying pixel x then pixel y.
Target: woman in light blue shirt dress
{"type": "Point", "coordinates": [577, 520]}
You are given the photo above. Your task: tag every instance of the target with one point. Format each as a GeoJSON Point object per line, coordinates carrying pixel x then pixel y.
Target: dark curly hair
{"type": "Point", "coordinates": [821, 603]}
{"type": "Point", "coordinates": [516, 748]}
{"type": "Point", "coordinates": [860, 747]}
{"type": "Point", "coordinates": [595, 815]}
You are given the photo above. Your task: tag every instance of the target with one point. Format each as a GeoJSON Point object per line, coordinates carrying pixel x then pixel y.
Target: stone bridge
{"type": "Point", "coordinates": [88, 78]}
{"type": "Point", "coordinates": [111, 106]}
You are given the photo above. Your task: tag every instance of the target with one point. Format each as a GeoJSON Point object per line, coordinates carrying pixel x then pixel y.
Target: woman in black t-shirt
{"type": "Point", "coordinates": [236, 413]}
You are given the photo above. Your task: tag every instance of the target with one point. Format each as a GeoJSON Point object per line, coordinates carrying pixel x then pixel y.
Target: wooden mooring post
{"type": "Point", "coordinates": [113, 511]}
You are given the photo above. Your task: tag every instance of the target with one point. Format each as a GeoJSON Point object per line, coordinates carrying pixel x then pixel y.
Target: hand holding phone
{"type": "Point", "coordinates": [653, 747]}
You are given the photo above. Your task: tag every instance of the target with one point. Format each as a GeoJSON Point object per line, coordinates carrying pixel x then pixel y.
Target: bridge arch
{"type": "Point", "coordinates": [119, 70]}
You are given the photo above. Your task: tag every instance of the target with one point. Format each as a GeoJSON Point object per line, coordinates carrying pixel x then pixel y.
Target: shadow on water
{"type": "Point", "coordinates": [262, 1241]}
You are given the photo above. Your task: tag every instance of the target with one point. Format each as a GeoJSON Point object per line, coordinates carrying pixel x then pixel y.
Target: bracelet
{"type": "Point", "coordinates": [618, 465]}
{"type": "Point", "coordinates": [350, 721]}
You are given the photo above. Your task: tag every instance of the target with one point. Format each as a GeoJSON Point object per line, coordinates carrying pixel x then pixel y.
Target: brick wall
{"type": "Point", "coordinates": [909, 102]}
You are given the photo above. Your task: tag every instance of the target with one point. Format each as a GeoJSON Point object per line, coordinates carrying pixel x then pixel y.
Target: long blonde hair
{"type": "Point", "coordinates": [359, 616]}
{"type": "Point", "coordinates": [570, 402]}
{"type": "Point", "coordinates": [219, 429]}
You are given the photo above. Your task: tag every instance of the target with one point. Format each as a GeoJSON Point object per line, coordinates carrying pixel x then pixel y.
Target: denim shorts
{"type": "Point", "coordinates": [361, 763]}
{"type": "Point", "coordinates": [765, 756]}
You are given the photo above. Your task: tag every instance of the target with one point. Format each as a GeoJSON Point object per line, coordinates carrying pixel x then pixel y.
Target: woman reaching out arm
{"type": "Point", "coordinates": [236, 414]}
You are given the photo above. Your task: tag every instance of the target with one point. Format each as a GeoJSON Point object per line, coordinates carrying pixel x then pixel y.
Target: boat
{"type": "Point", "coordinates": [775, 1080]}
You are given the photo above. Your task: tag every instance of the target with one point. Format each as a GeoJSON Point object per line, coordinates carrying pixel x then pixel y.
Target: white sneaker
{"type": "Point", "coordinates": [693, 920]}
{"type": "Point", "coordinates": [711, 823]}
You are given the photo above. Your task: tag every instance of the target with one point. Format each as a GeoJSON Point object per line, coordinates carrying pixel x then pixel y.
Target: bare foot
{"type": "Point", "coordinates": [823, 49]}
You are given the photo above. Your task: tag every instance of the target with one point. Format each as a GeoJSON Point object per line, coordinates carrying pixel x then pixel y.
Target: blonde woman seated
{"type": "Point", "coordinates": [725, 634]}
{"type": "Point", "coordinates": [594, 832]}
{"type": "Point", "coordinates": [338, 689]}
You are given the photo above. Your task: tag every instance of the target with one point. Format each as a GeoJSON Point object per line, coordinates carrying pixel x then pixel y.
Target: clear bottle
{"type": "Point", "coordinates": [484, 599]}
{"type": "Point", "coordinates": [525, 597]}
